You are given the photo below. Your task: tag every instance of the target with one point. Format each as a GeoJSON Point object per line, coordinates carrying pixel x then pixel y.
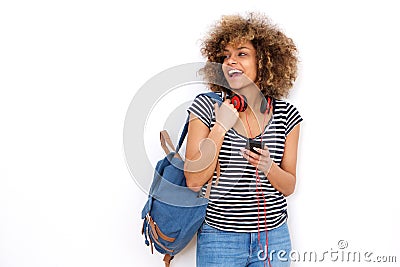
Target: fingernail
{"type": "Point", "coordinates": [256, 149]}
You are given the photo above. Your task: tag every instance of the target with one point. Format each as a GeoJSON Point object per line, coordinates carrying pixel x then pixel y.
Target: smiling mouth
{"type": "Point", "coordinates": [234, 72]}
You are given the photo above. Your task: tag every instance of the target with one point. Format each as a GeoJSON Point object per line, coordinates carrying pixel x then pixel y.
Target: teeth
{"type": "Point", "coordinates": [233, 71]}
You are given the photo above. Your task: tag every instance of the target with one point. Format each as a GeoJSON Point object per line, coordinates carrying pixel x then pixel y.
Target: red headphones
{"type": "Point", "coordinates": [240, 103]}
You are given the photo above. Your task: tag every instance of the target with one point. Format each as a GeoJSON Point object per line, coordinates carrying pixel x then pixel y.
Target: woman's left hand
{"type": "Point", "coordinates": [261, 161]}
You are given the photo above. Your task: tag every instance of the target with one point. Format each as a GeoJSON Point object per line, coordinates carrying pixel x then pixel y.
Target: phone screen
{"type": "Point", "coordinates": [253, 143]}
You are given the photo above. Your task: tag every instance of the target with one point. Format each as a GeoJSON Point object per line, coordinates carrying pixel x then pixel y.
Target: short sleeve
{"type": "Point", "coordinates": [203, 108]}
{"type": "Point", "coordinates": [292, 119]}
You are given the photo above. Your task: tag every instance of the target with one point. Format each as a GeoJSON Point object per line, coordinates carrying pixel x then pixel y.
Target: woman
{"type": "Point", "coordinates": [247, 211]}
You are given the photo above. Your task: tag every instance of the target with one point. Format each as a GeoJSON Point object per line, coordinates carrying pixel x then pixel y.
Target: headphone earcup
{"type": "Point", "coordinates": [265, 105]}
{"type": "Point", "coordinates": [239, 102]}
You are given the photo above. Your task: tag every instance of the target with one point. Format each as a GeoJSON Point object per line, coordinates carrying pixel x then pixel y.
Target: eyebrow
{"type": "Point", "coordinates": [239, 48]}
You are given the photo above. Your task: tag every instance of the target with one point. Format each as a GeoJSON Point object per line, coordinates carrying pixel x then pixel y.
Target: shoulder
{"type": "Point", "coordinates": [283, 106]}
{"type": "Point", "coordinates": [204, 103]}
{"type": "Point", "coordinates": [288, 114]}
{"type": "Point", "coordinates": [203, 108]}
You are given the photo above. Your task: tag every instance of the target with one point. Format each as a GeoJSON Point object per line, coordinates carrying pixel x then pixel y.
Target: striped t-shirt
{"type": "Point", "coordinates": [233, 202]}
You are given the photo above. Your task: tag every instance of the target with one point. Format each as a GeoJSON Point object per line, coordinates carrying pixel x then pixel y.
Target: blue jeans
{"type": "Point", "coordinates": [216, 248]}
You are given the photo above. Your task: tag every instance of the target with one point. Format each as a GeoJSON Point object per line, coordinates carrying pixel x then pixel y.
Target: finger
{"type": "Point", "coordinates": [253, 161]}
{"type": "Point", "coordinates": [247, 156]}
{"type": "Point", "coordinates": [259, 164]}
{"type": "Point", "coordinates": [235, 112]}
{"type": "Point", "coordinates": [228, 104]}
{"type": "Point", "coordinates": [264, 152]}
{"type": "Point", "coordinates": [265, 147]}
{"type": "Point", "coordinates": [256, 163]}
{"type": "Point", "coordinates": [216, 108]}
{"type": "Point", "coordinates": [252, 154]}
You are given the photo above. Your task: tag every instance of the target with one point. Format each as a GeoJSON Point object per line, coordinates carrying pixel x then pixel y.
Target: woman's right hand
{"type": "Point", "coordinates": [226, 115]}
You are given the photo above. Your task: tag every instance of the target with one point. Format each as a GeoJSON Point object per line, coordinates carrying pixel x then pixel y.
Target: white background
{"type": "Point", "coordinates": [69, 69]}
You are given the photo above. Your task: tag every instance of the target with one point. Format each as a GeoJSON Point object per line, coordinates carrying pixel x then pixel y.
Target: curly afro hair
{"type": "Point", "coordinates": [276, 54]}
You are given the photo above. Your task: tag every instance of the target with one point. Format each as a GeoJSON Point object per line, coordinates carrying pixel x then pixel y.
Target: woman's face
{"type": "Point", "coordinates": [240, 65]}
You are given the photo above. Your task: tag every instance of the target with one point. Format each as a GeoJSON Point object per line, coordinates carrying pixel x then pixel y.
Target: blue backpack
{"type": "Point", "coordinates": [173, 213]}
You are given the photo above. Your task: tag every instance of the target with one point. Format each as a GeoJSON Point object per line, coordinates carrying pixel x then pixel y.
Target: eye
{"type": "Point", "coordinates": [242, 54]}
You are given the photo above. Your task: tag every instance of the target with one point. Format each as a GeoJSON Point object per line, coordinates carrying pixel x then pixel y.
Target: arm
{"type": "Point", "coordinates": [282, 177]}
{"type": "Point", "coordinates": [202, 149]}
{"type": "Point", "coordinates": [203, 145]}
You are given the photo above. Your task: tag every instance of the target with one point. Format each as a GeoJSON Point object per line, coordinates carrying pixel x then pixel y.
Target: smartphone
{"type": "Point", "coordinates": [253, 143]}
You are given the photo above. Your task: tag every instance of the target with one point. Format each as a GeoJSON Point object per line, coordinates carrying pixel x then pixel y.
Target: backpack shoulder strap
{"type": "Point", "coordinates": [214, 96]}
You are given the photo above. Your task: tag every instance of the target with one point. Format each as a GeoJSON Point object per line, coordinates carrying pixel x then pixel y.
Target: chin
{"type": "Point", "coordinates": [237, 86]}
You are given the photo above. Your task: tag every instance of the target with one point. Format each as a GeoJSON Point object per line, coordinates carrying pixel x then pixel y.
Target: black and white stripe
{"type": "Point", "coordinates": [233, 202]}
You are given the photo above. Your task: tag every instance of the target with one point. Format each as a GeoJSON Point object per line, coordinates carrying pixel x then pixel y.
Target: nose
{"type": "Point", "coordinates": [231, 60]}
